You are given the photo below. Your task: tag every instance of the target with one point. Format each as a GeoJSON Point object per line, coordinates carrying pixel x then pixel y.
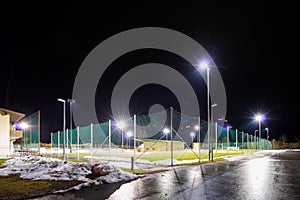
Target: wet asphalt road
{"type": "Point", "coordinates": [272, 176]}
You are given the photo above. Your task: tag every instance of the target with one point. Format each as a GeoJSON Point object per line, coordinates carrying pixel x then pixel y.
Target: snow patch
{"type": "Point", "coordinates": [43, 168]}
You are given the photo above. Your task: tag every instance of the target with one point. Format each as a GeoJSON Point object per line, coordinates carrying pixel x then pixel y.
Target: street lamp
{"type": "Point", "coordinates": [71, 101]}
{"type": "Point", "coordinates": [205, 66]}
{"type": "Point", "coordinates": [259, 118]}
{"type": "Point", "coordinates": [197, 128]}
{"type": "Point", "coordinates": [121, 126]}
{"type": "Point", "coordinates": [255, 139]}
{"type": "Point", "coordinates": [267, 133]}
{"type": "Point", "coordinates": [24, 126]}
{"type": "Point", "coordinates": [64, 127]}
{"type": "Point", "coordinates": [212, 122]}
{"type": "Point", "coordinates": [166, 131]}
{"type": "Point", "coordinates": [267, 137]}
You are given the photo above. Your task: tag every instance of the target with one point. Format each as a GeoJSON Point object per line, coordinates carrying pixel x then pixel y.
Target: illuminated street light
{"type": "Point", "coordinates": [259, 118]}
{"type": "Point", "coordinates": [197, 127]}
{"type": "Point", "coordinates": [255, 139]}
{"type": "Point", "coordinates": [267, 133]}
{"type": "Point", "coordinates": [166, 131]}
{"type": "Point", "coordinates": [64, 127]}
{"type": "Point", "coordinates": [24, 125]}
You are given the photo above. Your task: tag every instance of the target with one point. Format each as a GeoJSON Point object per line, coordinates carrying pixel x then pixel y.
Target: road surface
{"type": "Point", "coordinates": [260, 176]}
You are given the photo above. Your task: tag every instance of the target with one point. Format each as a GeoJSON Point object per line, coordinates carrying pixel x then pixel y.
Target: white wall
{"type": "Point", "coordinates": [4, 136]}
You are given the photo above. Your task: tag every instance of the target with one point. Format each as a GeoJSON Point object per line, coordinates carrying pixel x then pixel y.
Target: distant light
{"type": "Point", "coordinates": [166, 130]}
{"type": "Point", "coordinates": [61, 100]}
{"type": "Point", "coordinates": [203, 65]}
{"type": "Point", "coordinates": [71, 100]}
{"type": "Point", "coordinates": [214, 105]}
{"type": "Point", "coordinates": [24, 125]}
{"type": "Point", "coordinates": [128, 134]}
{"type": "Point", "coordinates": [196, 127]}
{"type": "Point", "coordinates": [266, 129]}
{"type": "Point", "coordinates": [259, 118]}
{"type": "Point", "coordinates": [192, 134]}
{"type": "Point", "coordinates": [121, 124]}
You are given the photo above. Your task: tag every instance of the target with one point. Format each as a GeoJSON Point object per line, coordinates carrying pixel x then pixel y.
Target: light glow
{"type": "Point", "coordinates": [24, 125]}
{"type": "Point", "coordinates": [166, 130]}
{"type": "Point", "coordinates": [203, 65]}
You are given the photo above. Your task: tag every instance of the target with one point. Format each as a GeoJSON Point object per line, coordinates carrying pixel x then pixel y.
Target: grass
{"type": "Point", "coordinates": [14, 187]}
{"type": "Point", "coordinates": [162, 155]}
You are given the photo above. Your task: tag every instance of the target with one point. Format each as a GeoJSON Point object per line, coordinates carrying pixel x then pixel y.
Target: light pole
{"type": "Point", "coordinates": [166, 131]}
{"type": "Point", "coordinates": [255, 139]}
{"type": "Point", "coordinates": [259, 118]}
{"type": "Point", "coordinates": [197, 128]}
{"type": "Point", "coordinates": [24, 126]}
{"type": "Point", "coordinates": [267, 129]}
{"type": "Point", "coordinates": [212, 122]}
{"type": "Point", "coordinates": [267, 133]}
{"type": "Point", "coordinates": [64, 127]}
{"type": "Point", "coordinates": [71, 101]}
{"type": "Point", "coordinates": [205, 66]}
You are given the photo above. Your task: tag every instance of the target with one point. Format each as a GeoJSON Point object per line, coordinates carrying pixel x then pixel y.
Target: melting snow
{"type": "Point", "coordinates": [43, 168]}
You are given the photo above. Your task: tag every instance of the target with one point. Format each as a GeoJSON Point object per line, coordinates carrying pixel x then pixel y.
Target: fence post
{"type": "Point", "coordinates": [227, 129]}
{"type": "Point", "coordinates": [91, 148]}
{"type": "Point", "coordinates": [58, 142]}
{"type": "Point", "coordinates": [134, 135]}
{"type": "Point", "coordinates": [67, 145]}
{"type": "Point", "coordinates": [242, 139]}
{"type": "Point", "coordinates": [199, 138]}
{"type": "Point", "coordinates": [216, 124]}
{"type": "Point", "coordinates": [236, 139]}
{"type": "Point", "coordinates": [109, 137]}
{"type": "Point", "coordinates": [51, 140]}
{"type": "Point", "coordinates": [171, 127]}
{"type": "Point", "coordinates": [78, 142]}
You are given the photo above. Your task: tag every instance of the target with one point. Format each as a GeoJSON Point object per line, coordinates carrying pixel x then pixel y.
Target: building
{"type": "Point", "coordinates": [8, 133]}
{"type": "Point", "coordinates": [159, 145]}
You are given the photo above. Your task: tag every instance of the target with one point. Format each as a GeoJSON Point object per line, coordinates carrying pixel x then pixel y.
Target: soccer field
{"type": "Point", "coordinates": [155, 155]}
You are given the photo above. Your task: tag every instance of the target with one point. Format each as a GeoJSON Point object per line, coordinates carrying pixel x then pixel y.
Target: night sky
{"type": "Point", "coordinates": [255, 48]}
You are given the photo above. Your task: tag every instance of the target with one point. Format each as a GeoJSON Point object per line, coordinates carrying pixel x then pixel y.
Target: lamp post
{"type": "Point", "coordinates": [24, 126]}
{"type": "Point", "coordinates": [71, 101]}
{"type": "Point", "coordinates": [267, 133]}
{"type": "Point", "coordinates": [267, 129]}
{"type": "Point", "coordinates": [166, 131]}
{"type": "Point", "coordinates": [64, 127]}
{"type": "Point", "coordinates": [259, 118]}
{"type": "Point", "coordinates": [212, 122]}
{"type": "Point", "coordinates": [197, 128]}
{"type": "Point", "coordinates": [255, 139]}
{"type": "Point", "coordinates": [205, 66]}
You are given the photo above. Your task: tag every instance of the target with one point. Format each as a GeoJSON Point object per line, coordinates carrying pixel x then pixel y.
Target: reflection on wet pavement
{"type": "Point", "coordinates": [270, 177]}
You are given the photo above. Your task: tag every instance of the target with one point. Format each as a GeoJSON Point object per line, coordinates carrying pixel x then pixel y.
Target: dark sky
{"type": "Point", "coordinates": [254, 46]}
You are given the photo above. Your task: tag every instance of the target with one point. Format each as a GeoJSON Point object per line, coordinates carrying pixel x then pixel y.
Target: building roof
{"type": "Point", "coordinates": [154, 140]}
{"type": "Point", "coordinates": [14, 116]}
